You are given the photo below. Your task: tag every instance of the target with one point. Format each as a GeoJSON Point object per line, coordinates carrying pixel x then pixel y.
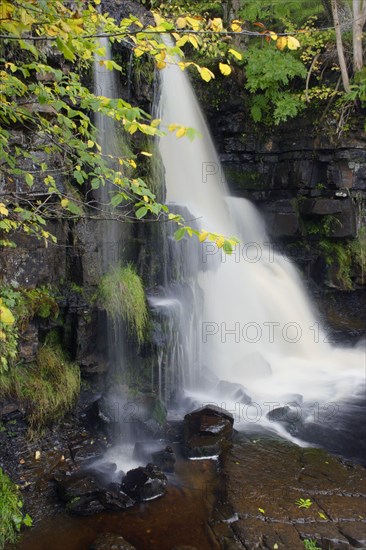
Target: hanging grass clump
{"type": "Point", "coordinates": [121, 293]}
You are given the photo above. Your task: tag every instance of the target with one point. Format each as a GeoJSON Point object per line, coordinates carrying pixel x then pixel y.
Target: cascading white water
{"type": "Point", "coordinates": [257, 326]}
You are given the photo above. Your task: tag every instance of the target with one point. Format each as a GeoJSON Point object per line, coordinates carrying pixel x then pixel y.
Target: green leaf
{"type": "Point", "coordinates": [256, 113]}
{"type": "Point", "coordinates": [29, 179]}
{"type": "Point", "coordinates": [74, 208]}
{"type": "Point", "coordinates": [27, 520]}
{"type": "Point", "coordinates": [227, 247]}
{"type": "Point", "coordinates": [65, 49]}
{"type": "Point", "coordinates": [179, 234]}
{"type": "Point", "coordinates": [78, 176]}
{"type": "Point", "coordinates": [116, 200]}
{"type": "Point", "coordinates": [141, 212]}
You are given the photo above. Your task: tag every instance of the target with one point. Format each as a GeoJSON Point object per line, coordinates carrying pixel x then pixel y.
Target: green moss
{"type": "Point", "coordinates": [12, 517]}
{"type": "Point", "coordinates": [358, 252]}
{"type": "Point", "coordinates": [47, 389]}
{"type": "Point", "coordinates": [25, 304]}
{"type": "Point", "coordinates": [121, 293]}
{"type": "Point", "coordinates": [159, 413]}
{"type": "Point", "coordinates": [250, 180]}
{"type": "Point", "coordinates": [323, 227]}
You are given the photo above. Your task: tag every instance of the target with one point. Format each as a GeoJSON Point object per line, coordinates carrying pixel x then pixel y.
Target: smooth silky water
{"type": "Point", "coordinates": [257, 329]}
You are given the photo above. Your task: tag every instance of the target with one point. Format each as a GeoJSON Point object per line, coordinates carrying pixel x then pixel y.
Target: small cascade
{"type": "Point", "coordinates": [253, 324]}
{"type": "Point", "coordinates": [173, 306]}
{"type": "Point", "coordinates": [110, 237]}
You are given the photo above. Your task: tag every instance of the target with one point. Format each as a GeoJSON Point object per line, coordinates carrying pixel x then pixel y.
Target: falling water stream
{"type": "Point", "coordinates": [255, 327]}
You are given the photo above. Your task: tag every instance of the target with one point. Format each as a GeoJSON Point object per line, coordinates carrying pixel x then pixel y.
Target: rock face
{"type": "Point", "coordinates": [309, 184]}
{"type": "Point", "coordinates": [207, 431]}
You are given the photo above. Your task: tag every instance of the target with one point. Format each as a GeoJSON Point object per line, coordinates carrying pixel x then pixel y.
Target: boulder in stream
{"type": "Point", "coordinates": [207, 431]}
{"type": "Point", "coordinates": [84, 496]}
{"type": "Point", "coordinates": [143, 484]}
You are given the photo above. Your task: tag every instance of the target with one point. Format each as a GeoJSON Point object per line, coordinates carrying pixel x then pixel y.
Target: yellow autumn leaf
{"type": "Point", "coordinates": [6, 315]}
{"type": "Point", "coordinates": [181, 23]}
{"type": "Point", "coordinates": [26, 18]}
{"type": "Point", "coordinates": [2, 336]}
{"type": "Point", "coordinates": [172, 127]}
{"type": "Point", "coordinates": [132, 163]}
{"type": "Point", "coordinates": [64, 203]}
{"type": "Point", "coordinates": [216, 24]}
{"type": "Point", "coordinates": [206, 74]}
{"type": "Point", "coordinates": [193, 41]}
{"type": "Point", "coordinates": [146, 198]}
{"type": "Point", "coordinates": [273, 35]}
{"type": "Point", "coordinates": [236, 25]}
{"type": "Point", "coordinates": [145, 153]}
{"type": "Point", "coordinates": [292, 43]}
{"type": "Point", "coordinates": [194, 23]}
{"type": "Point", "coordinates": [133, 128]}
{"type": "Point", "coordinates": [160, 65]}
{"type": "Point", "coordinates": [155, 123]}
{"type": "Point", "coordinates": [157, 18]}
{"type": "Point", "coordinates": [181, 132]}
{"type": "Point", "coordinates": [236, 54]}
{"type": "Point", "coordinates": [281, 43]}
{"type": "Point", "coordinates": [220, 242]}
{"type": "Point", "coordinates": [225, 69]}
{"type": "Point", "coordinates": [52, 30]}
{"type": "Point", "coordinates": [90, 143]}
{"type": "Point", "coordinates": [3, 210]}
{"type": "Point", "coordinates": [203, 235]}
{"type": "Point", "coordinates": [181, 41]}
{"type": "Point", "coordinates": [184, 64]}
{"type": "Point", "coordinates": [138, 52]}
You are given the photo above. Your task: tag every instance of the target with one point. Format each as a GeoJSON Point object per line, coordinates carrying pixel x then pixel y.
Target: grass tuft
{"type": "Point", "coordinates": [11, 515]}
{"type": "Point", "coordinates": [47, 389]}
{"type": "Point", "coordinates": [121, 293]}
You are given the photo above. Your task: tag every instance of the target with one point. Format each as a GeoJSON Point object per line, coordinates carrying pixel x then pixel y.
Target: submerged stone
{"type": "Point", "coordinates": [111, 541]}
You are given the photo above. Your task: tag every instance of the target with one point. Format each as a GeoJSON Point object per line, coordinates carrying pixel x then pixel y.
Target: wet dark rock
{"type": "Point", "coordinates": [28, 344]}
{"type": "Point", "coordinates": [115, 499]}
{"type": "Point", "coordinates": [326, 207]}
{"type": "Point", "coordinates": [84, 506]}
{"type": "Point", "coordinates": [143, 451]}
{"type": "Point", "coordinates": [144, 484]}
{"type": "Point", "coordinates": [288, 415]}
{"type": "Point", "coordinates": [355, 533]}
{"type": "Point", "coordinates": [165, 460]}
{"type": "Point", "coordinates": [111, 541]}
{"type": "Point", "coordinates": [84, 496]}
{"type": "Point", "coordinates": [264, 478]}
{"type": "Point", "coordinates": [207, 431]}
{"type": "Point", "coordinates": [10, 410]}
{"type": "Point", "coordinates": [236, 391]}
{"type": "Point", "coordinates": [328, 536]}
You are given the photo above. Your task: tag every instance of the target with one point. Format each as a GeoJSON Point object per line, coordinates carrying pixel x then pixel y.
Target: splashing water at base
{"type": "Point", "coordinates": [257, 328]}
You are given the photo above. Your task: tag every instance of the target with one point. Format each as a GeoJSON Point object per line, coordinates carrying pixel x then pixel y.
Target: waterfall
{"type": "Point", "coordinates": [110, 237]}
{"type": "Point", "coordinates": [254, 327]}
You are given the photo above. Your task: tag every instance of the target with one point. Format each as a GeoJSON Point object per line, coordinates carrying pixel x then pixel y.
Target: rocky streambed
{"type": "Point", "coordinates": [278, 495]}
{"type": "Point", "coordinates": [260, 492]}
